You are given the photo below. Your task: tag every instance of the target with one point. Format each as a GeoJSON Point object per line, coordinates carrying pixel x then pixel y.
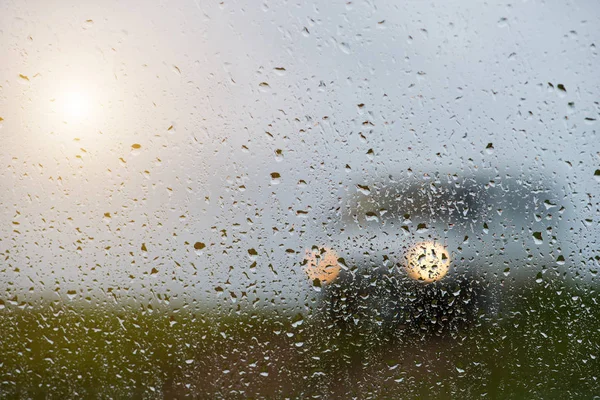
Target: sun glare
{"type": "Point", "coordinates": [75, 106]}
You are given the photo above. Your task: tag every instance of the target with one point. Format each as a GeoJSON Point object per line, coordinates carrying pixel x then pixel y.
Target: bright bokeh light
{"type": "Point", "coordinates": [427, 262]}
{"type": "Point", "coordinates": [75, 106]}
{"type": "Point", "coordinates": [322, 264]}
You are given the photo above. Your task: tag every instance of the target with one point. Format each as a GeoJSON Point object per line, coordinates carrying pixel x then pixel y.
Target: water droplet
{"type": "Point", "coordinates": [275, 178]}
{"type": "Point", "coordinates": [264, 87]}
{"type": "Point", "coordinates": [364, 189]}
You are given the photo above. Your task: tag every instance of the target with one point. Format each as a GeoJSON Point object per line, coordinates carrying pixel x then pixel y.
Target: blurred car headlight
{"type": "Point", "coordinates": [427, 262]}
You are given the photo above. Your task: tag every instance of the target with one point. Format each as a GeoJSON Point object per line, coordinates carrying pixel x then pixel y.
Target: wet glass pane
{"type": "Point", "coordinates": [352, 199]}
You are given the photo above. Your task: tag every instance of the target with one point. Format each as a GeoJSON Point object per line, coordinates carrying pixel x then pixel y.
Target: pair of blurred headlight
{"type": "Point", "coordinates": [425, 262]}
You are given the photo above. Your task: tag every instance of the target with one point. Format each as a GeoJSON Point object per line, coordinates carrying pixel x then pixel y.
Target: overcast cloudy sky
{"type": "Point", "coordinates": [132, 131]}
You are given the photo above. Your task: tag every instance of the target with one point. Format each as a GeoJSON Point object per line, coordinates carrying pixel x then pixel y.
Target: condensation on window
{"type": "Point", "coordinates": [299, 200]}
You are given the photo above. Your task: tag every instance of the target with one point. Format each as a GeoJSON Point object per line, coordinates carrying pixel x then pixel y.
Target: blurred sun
{"type": "Point", "coordinates": [75, 106]}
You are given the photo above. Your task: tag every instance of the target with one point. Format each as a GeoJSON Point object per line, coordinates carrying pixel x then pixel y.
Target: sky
{"type": "Point", "coordinates": [197, 149]}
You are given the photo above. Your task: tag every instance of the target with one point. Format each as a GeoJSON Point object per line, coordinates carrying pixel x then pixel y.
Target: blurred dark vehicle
{"type": "Point", "coordinates": [500, 234]}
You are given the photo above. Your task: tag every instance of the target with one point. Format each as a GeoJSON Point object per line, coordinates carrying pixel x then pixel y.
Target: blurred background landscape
{"type": "Point", "coordinates": [220, 199]}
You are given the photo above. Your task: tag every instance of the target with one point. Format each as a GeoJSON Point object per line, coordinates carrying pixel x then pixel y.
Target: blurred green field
{"type": "Point", "coordinates": [544, 344]}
